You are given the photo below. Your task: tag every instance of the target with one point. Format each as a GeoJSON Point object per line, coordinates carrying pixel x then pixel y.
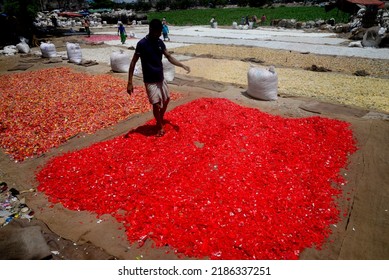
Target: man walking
{"type": "Point", "coordinates": [150, 50]}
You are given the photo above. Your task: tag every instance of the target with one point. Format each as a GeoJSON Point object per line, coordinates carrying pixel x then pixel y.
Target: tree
{"type": "Point", "coordinates": [62, 4]}
{"type": "Point", "coordinates": [181, 4]}
{"type": "Point", "coordinates": [162, 5]}
{"type": "Point", "coordinates": [257, 3]}
{"type": "Point", "coordinates": [19, 22]}
{"type": "Point", "coordinates": [142, 6]}
{"type": "Point", "coordinates": [243, 3]}
{"type": "Point", "coordinates": [102, 4]}
{"type": "Point", "coordinates": [21, 8]}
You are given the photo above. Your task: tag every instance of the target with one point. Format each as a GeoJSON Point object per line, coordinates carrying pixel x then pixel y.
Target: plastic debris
{"type": "Point", "coordinates": [11, 207]}
{"type": "Point", "coordinates": [273, 194]}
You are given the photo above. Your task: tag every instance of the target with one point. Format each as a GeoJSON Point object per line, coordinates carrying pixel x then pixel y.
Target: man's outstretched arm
{"type": "Point", "coordinates": [175, 62]}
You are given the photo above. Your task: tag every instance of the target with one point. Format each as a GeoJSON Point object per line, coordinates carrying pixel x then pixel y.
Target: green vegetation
{"type": "Point", "coordinates": [16, 20]}
{"type": "Point", "coordinates": [23, 9]}
{"type": "Point", "coordinates": [225, 16]}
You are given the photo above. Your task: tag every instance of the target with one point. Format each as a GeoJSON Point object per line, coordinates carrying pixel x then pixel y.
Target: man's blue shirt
{"type": "Point", "coordinates": [151, 52]}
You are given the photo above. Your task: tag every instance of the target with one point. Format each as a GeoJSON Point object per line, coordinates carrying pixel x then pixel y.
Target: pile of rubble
{"type": "Point", "coordinates": [376, 36]}
{"type": "Point", "coordinates": [54, 20]}
{"type": "Point", "coordinates": [69, 20]}
{"type": "Point", "coordinates": [292, 23]}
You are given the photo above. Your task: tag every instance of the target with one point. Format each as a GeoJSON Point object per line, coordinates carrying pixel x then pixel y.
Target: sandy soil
{"type": "Point", "coordinates": [80, 235]}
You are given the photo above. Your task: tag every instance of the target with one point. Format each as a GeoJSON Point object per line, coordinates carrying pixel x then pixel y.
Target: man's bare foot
{"type": "Point", "coordinates": [160, 133]}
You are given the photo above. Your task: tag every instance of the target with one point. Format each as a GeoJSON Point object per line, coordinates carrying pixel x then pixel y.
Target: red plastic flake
{"type": "Point", "coordinates": [224, 182]}
{"type": "Point", "coordinates": [42, 109]}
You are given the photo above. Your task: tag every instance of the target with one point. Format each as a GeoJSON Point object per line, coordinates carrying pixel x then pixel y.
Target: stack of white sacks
{"type": "Point", "coordinates": [119, 59]}
{"type": "Point", "coordinates": [120, 62]}
{"type": "Point", "coordinates": [22, 47]}
{"type": "Point", "coordinates": [73, 51]}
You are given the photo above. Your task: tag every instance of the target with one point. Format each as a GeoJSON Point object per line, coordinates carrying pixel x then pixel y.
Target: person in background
{"type": "Point", "coordinates": [150, 50]}
{"type": "Point", "coordinates": [212, 22]}
{"type": "Point", "coordinates": [165, 31]}
{"type": "Point", "coordinates": [247, 21]}
{"type": "Point", "coordinates": [255, 21]}
{"type": "Point", "coordinates": [86, 25]}
{"type": "Point", "coordinates": [263, 19]}
{"type": "Point", "coordinates": [54, 21]}
{"type": "Point", "coordinates": [122, 32]}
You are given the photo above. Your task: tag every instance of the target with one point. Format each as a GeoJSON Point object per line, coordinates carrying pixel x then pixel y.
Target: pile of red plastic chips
{"type": "Point", "coordinates": [101, 38]}
{"type": "Point", "coordinates": [42, 109]}
{"type": "Point", "coordinates": [224, 182]}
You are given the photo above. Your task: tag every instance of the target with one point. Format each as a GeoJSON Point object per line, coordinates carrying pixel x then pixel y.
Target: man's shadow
{"type": "Point", "coordinates": [151, 130]}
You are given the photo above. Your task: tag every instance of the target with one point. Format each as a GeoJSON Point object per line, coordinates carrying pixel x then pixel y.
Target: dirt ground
{"type": "Point", "coordinates": [363, 234]}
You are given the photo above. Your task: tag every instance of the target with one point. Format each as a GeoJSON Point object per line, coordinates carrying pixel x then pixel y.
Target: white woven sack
{"type": "Point", "coordinates": [9, 50]}
{"type": "Point", "coordinates": [371, 38]}
{"type": "Point", "coordinates": [262, 83]}
{"type": "Point", "coordinates": [74, 52]}
{"type": "Point", "coordinates": [169, 71]}
{"type": "Point", "coordinates": [356, 44]}
{"type": "Point", "coordinates": [48, 50]}
{"type": "Point", "coordinates": [23, 47]}
{"type": "Point", "coordinates": [120, 61]}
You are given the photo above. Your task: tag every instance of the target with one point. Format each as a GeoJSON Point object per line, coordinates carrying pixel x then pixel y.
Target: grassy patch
{"type": "Point", "coordinates": [225, 16]}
